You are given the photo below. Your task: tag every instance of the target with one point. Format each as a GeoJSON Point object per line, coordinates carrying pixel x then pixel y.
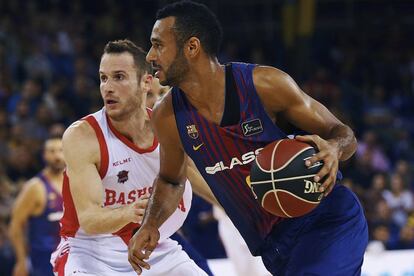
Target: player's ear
{"type": "Point", "coordinates": [192, 47]}
{"type": "Point", "coordinates": [146, 82]}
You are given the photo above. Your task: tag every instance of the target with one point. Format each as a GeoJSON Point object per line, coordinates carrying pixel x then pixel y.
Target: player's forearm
{"type": "Point", "coordinates": [163, 202]}
{"type": "Point", "coordinates": [103, 220]}
{"type": "Point", "coordinates": [17, 237]}
{"type": "Point", "coordinates": [345, 140]}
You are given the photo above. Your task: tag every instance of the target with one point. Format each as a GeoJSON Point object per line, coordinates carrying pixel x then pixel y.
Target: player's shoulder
{"type": "Point", "coordinates": [163, 120]}
{"type": "Point", "coordinates": [270, 77]}
{"type": "Point", "coordinates": [78, 131]}
{"type": "Point", "coordinates": [80, 138]}
{"type": "Point", "coordinates": [33, 187]}
{"type": "Point", "coordinates": [163, 109]}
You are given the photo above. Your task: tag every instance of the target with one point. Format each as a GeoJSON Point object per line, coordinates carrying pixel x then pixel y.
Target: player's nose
{"type": "Point", "coordinates": [107, 87]}
{"type": "Point", "coordinates": [150, 55]}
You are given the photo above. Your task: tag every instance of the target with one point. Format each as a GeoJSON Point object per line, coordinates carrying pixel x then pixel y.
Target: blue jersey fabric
{"type": "Point", "coordinates": [44, 231]}
{"type": "Point", "coordinates": [224, 155]}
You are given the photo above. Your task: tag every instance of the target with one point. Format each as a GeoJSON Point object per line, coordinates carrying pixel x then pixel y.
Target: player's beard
{"type": "Point", "coordinates": [129, 107]}
{"type": "Point", "coordinates": [56, 167]}
{"type": "Point", "coordinates": [176, 71]}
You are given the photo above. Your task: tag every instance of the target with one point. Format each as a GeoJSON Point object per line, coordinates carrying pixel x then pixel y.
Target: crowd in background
{"type": "Point", "coordinates": [364, 73]}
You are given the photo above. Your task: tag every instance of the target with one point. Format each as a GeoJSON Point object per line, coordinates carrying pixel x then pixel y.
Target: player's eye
{"type": "Point", "coordinates": [103, 78]}
{"type": "Point", "coordinates": [119, 77]}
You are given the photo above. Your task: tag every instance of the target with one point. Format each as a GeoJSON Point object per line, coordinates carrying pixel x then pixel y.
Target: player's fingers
{"type": "Point", "coordinates": [314, 139]}
{"type": "Point", "coordinates": [323, 172]}
{"type": "Point", "coordinates": [327, 184]}
{"type": "Point", "coordinates": [136, 247]}
{"type": "Point", "coordinates": [152, 242]}
{"type": "Point", "coordinates": [139, 258]}
{"type": "Point", "coordinates": [309, 162]}
{"type": "Point", "coordinates": [332, 177]}
{"type": "Point", "coordinates": [139, 212]}
{"type": "Point", "coordinates": [134, 263]}
{"type": "Point", "coordinates": [141, 203]}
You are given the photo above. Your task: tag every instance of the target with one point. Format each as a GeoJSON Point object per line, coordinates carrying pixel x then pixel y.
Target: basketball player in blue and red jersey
{"type": "Point", "coordinates": [38, 209]}
{"type": "Point", "coordinates": [221, 116]}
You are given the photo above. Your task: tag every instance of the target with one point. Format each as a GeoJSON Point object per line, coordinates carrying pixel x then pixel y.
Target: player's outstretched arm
{"type": "Point", "coordinates": [26, 205]}
{"type": "Point", "coordinates": [334, 140]}
{"type": "Point", "coordinates": [82, 156]}
{"type": "Point", "coordinates": [168, 187]}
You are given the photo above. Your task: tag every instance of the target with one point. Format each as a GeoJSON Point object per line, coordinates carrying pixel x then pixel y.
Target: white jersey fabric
{"type": "Point", "coordinates": [127, 174]}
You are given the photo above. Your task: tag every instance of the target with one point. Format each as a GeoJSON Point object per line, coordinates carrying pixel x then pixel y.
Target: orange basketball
{"type": "Point", "coordinates": [282, 183]}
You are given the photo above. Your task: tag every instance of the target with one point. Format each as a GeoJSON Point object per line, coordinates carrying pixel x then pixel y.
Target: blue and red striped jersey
{"type": "Point", "coordinates": [224, 153]}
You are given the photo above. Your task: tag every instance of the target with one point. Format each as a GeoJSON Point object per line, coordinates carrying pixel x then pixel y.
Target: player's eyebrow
{"type": "Point", "coordinates": [155, 39]}
{"type": "Point", "coordinates": [113, 72]}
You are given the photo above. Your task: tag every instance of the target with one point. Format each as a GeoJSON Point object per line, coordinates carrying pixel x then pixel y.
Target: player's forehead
{"type": "Point", "coordinates": [163, 29]}
{"type": "Point", "coordinates": [116, 62]}
{"type": "Point", "coordinates": [53, 144]}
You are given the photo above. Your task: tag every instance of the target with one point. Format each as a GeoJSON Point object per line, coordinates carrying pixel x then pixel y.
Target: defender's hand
{"type": "Point", "coordinates": [329, 155]}
{"type": "Point", "coordinates": [141, 246]}
{"type": "Point", "coordinates": [135, 211]}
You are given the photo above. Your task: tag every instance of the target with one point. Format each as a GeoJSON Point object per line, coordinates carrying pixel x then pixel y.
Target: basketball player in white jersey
{"type": "Point", "coordinates": [112, 160]}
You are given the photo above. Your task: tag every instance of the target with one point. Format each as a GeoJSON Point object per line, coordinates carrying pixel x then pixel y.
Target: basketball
{"type": "Point", "coordinates": [282, 183]}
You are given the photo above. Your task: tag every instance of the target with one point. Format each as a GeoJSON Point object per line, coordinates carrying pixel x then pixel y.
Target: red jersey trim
{"type": "Point", "coordinates": [102, 145]}
{"type": "Point", "coordinates": [69, 221]}
{"type": "Point", "coordinates": [128, 142]}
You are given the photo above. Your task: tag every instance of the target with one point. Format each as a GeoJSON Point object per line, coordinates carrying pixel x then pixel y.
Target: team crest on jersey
{"type": "Point", "coordinates": [122, 176]}
{"type": "Point", "coordinates": [252, 127]}
{"type": "Point", "coordinates": [192, 131]}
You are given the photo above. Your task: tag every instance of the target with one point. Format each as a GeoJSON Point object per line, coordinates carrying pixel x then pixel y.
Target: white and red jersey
{"type": "Point", "coordinates": [127, 174]}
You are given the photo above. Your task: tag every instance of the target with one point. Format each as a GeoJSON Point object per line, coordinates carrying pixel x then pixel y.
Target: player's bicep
{"type": "Point", "coordinates": [26, 202]}
{"type": "Point", "coordinates": [84, 180]}
{"type": "Point", "coordinates": [281, 95]}
{"type": "Point", "coordinates": [311, 116]}
{"type": "Point", "coordinates": [172, 157]}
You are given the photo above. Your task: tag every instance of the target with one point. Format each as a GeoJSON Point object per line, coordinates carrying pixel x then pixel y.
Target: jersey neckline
{"type": "Point", "coordinates": [128, 142]}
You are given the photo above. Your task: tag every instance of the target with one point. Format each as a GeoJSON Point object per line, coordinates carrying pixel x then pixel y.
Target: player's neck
{"type": "Point", "coordinates": [136, 128]}
{"type": "Point", "coordinates": [55, 177]}
{"type": "Point", "coordinates": [205, 84]}
{"type": "Point", "coordinates": [205, 89]}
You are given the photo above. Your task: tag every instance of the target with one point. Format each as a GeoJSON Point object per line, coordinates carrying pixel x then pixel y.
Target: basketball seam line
{"type": "Point", "coordinates": [282, 179]}
{"type": "Point", "coordinates": [300, 198]}
{"type": "Point", "coordinates": [278, 202]}
{"type": "Point", "coordinates": [273, 180]}
{"type": "Point", "coordinates": [271, 163]}
{"type": "Point", "coordinates": [286, 163]}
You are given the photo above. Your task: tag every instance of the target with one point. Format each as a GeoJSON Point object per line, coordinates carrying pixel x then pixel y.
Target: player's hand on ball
{"type": "Point", "coordinates": [136, 210]}
{"type": "Point", "coordinates": [329, 155]}
{"type": "Point", "coordinates": [141, 246]}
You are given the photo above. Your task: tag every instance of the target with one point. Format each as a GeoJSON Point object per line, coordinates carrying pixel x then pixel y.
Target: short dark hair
{"type": "Point", "coordinates": [126, 45]}
{"type": "Point", "coordinates": [194, 19]}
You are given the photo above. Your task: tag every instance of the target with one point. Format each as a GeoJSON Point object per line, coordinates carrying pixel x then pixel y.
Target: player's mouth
{"type": "Point", "coordinates": [157, 69]}
{"type": "Point", "coordinates": [110, 102]}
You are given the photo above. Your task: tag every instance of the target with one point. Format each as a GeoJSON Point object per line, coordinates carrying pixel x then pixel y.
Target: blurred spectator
{"type": "Point", "coordinates": [399, 199]}
{"type": "Point", "coordinates": [406, 238]}
{"type": "Point", "coordinates": [382, 227]}
{"type": "Point", "coordinates": [370, 153]}
{"type": "Point", "coordinates": [405, 170]}
{"type": "Point", "coordinates": [377, 110]}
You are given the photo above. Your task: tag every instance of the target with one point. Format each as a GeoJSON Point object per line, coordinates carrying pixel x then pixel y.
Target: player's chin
{"type": "Point", "coordinates": [113, 113]}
